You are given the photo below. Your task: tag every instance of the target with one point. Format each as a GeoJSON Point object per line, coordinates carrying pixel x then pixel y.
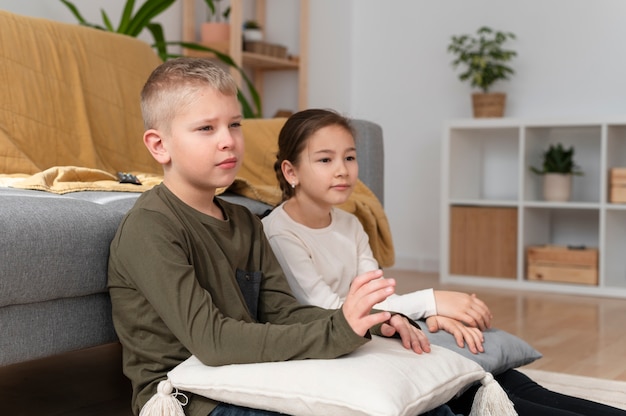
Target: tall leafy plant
{"type": "Point", "coordinates": [132, 24]}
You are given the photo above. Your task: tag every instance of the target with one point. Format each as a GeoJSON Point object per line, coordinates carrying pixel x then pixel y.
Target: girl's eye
{"type": "Point", "coordinates": [351, 158]}
{"type": "Point", "coordinates": [325, 160]}
{"type": "Point", "coordinates": [235, 125]}
{"type": "Point", "coordinates": [206, 128]}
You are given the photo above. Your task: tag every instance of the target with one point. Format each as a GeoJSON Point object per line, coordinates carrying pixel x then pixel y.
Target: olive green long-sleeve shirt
{"type": "Point", "coordinates": [184, 283]}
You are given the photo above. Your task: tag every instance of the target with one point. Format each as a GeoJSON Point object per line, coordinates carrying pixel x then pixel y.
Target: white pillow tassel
{"type": "Point", "coordinates": [491, 399]}
{"type": "Point", "coordinates": [164, 402]}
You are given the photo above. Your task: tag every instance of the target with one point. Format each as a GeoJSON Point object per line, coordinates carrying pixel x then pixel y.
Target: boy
{"type": "Point", "coordinates": [191, 274]}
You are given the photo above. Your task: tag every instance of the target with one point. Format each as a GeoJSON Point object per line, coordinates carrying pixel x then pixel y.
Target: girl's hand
{"type": "Point", "coordinates": [463, 334]}
{"type": "Point", "coordinates": [463, 307]}
{"type": "Point", "coordinates": [412, 338]}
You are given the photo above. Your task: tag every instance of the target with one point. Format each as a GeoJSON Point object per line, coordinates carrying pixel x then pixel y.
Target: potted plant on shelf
{"type": "Point", "coordinates": [252, 31]}
{"type": "Point", "coordinates": [132, 24]}
{"type": "Point", "coordinates": [557, 171]}
{"type": "Point", "coordinates": [216, 29]}
{"type": "Point", "coordinates": [486, 62]}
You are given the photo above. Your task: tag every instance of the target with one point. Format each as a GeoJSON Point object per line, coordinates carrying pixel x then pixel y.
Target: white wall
{"type": "Point", "coordinates": [570, 63]}
{"type": "Point", "coordinates": [387, 61]}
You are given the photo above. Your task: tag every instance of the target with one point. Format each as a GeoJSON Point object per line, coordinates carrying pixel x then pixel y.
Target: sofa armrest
{"type": "Point", "coordinates": [369, 144]}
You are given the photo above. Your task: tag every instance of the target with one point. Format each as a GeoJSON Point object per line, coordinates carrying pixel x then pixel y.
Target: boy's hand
{"type": "Point", "coordinates": [412, 338]}
{"type": "Point", "coordinates": [462, 334]}
{"type": "Point", "coordinates": [366, 291]}
{"type": "Point", "coordinates": [463, 307]}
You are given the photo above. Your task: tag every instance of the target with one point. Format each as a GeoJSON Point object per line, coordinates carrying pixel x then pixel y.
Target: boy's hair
{"type": "Point", "coordinates": [294, 134]}
{"type": "Point", "coordinates": [173, 84]}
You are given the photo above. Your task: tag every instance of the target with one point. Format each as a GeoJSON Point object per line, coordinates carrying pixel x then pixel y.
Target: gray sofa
{"type": "Point", "coordinates": [54, 248]}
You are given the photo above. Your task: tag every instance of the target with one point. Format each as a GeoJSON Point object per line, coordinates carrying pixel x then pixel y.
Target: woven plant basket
{"type": "Point", "coordinates": [488, 105]}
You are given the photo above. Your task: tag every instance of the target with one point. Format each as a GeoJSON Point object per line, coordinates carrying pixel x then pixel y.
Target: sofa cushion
{"type": "Point", "coordinates": [53, 246]}
{"type": "Point", "coordinates": [57, 246]}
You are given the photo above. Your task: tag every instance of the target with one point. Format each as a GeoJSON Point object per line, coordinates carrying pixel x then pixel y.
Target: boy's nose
{"type": "Point", "coordinates": [226, 140]}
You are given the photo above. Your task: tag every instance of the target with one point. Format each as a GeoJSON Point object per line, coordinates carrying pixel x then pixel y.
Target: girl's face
{"type": "Point", "coordinates": [327, 169]}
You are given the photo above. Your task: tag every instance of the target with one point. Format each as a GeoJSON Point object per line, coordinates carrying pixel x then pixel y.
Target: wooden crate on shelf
{"type": "Point", "coordinates": [618, 185]}
{"type": "Point", "coordinates": [562, 264]}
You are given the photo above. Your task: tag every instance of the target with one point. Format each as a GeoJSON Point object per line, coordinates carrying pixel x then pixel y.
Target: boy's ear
{"type": "Point", "coordinates": [289, 172]}
{"type": "Point", "coordinates": [154, 142]}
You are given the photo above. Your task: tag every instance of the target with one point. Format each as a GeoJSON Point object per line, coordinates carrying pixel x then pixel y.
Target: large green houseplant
{"type": "Point", "coordinates": [485, 61]}
{"type": "Point", "coordinates": [557, 169]}
{"type": "Point", "coordinates": [132, 24]}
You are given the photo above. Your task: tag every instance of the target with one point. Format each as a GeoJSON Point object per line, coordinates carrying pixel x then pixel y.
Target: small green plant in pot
{"type": "Point", "coordinates": [252, 31]}
{"type": "Point", "coordinates": [557, 170]}
{"type": "Point", "coordinates": [486, 61]}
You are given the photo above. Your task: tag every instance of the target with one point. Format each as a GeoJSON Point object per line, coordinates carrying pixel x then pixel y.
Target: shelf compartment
{"type": "Point", "coordinates": [615, 247]}
{"type": "Point", "coordinates": [616, 146]}
{"type": "Point", "coordinates": [561, 227]}
{"type": "Point", "coordinates": [484, 164]}
{"type": "Point", "coordinates": [483, 241]}
{"type": "Point", "coordinates": [586, 141]}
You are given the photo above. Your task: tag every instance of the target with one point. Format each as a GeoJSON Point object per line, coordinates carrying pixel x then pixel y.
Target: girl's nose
{"type": "Point", "coordinates": [342, 169]}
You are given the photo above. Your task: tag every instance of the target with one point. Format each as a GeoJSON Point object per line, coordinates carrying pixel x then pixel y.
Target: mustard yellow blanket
{"type": "Point", "coordinates": [69, 96]}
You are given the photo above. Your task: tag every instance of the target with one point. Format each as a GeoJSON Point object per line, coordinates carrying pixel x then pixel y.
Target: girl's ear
{"type": "Point", "coordinates": [154, 142]}
{"type": "Point", "coordinates": [289, 172]}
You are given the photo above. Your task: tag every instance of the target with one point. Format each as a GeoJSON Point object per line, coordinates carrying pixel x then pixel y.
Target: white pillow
{"type": "Point", "coordinates": [380, 378]}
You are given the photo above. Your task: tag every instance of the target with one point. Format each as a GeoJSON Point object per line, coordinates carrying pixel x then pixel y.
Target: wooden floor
{"type": "Point", "coordinates": [577, 335]}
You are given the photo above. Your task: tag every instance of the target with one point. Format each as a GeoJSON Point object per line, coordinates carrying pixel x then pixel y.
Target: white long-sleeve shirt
{"type": "Point", "coordinates": [321, 263]}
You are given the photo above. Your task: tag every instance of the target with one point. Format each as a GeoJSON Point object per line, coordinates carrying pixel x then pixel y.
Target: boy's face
{"type": "Point", "coordinates": [327, 168]}
{"type": "Point", "coordinates": [205, 144]}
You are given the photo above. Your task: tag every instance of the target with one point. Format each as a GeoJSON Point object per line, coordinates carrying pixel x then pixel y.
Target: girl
{"type": "Point", "coordinates": [322, 248]}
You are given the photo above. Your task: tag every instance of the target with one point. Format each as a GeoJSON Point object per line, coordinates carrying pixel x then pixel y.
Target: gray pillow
{"type": "Point", "coordinates": [503, 351]}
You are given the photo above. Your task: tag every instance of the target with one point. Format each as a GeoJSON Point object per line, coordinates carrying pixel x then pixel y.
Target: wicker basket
{"type": "Point", "coordinates": [264, 48]}
{"type": "Point", "coordinates": [489, 104]}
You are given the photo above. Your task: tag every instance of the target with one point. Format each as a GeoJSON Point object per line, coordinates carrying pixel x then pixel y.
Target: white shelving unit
{"type": "Point", "coordinates": [486, 164]}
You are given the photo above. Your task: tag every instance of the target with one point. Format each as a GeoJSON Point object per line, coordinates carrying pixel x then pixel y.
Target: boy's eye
{"type": "Point", "coordinates": [325, 160]}
{"type": "Point", "coordinates": [351, 158]}
{"type": "Point", "coordinates": [235, 125]}
{"type": "Point", "coordinates": [206, 128]}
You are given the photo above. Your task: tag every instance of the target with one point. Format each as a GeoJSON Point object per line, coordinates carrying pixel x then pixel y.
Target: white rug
{"type": "Point", "coordinates": [610, 392]}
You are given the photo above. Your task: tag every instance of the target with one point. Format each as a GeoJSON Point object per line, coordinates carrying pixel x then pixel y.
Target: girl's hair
{"type": "Point", "coordinates": [294, 134]}
{"type": "Point", "coordinates": [173, 85]}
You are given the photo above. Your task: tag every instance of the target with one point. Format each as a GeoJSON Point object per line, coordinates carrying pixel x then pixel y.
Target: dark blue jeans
{"type": "Point", "coordinates": [225, 409]}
